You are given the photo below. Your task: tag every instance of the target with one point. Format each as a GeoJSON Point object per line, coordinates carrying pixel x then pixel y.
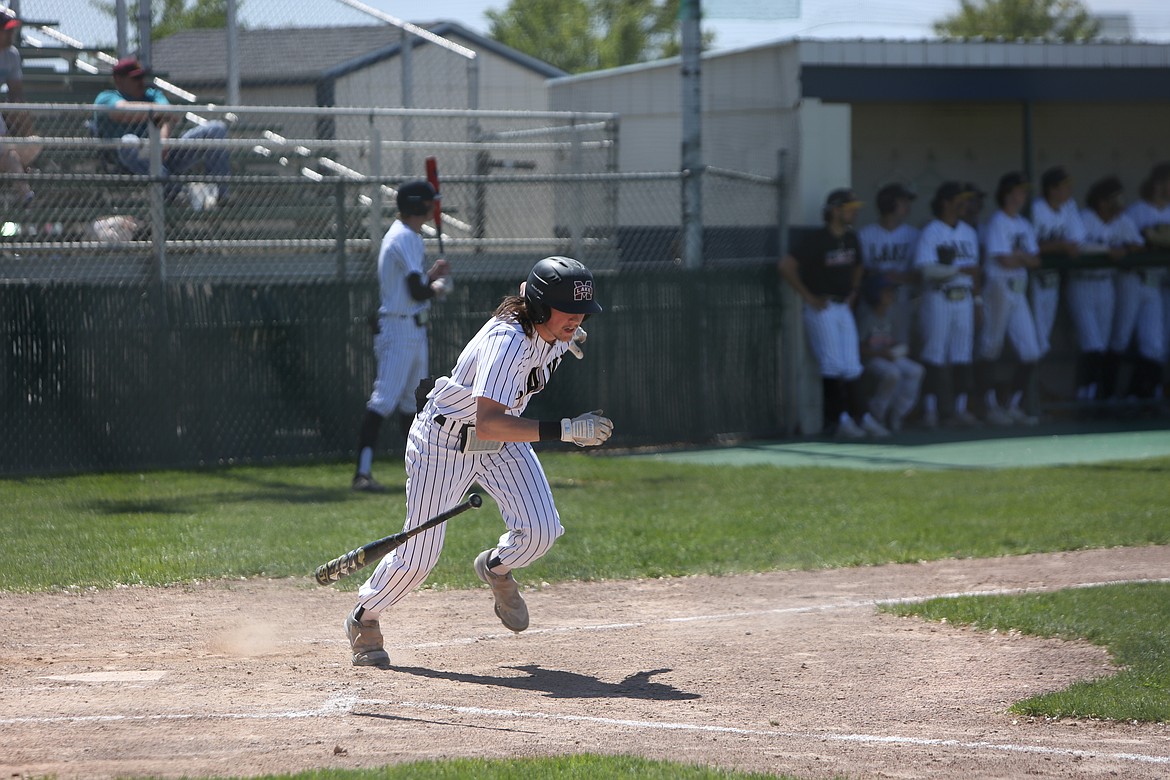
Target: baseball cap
{"type": "Point", "coordinates": [413, 195]}
{"type": "Point", "coordinates": [842, 197]}
{"type": "Point", "coordinates": [889, 195]}
{"type": "Point", "coordinates": [873, 286]}
{"type": "Point", "coordinates": [128, 66]}
{"type": "Point", "coordinates": [1104, 189]}
{"type": "Point", "coordinates": [1009, 181]}
{"type": "Point", "coordinates": [973, 190]}
{"type": "Point", "coordinates": [1053, 177]}
{"type": "Point", "coordinates": [9, 23]}
{"type": "Point", "coordinates": [950, 190]}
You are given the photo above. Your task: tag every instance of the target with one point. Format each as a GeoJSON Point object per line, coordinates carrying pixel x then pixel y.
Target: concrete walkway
{"type": "Point", "coordinates": [1048, 445]}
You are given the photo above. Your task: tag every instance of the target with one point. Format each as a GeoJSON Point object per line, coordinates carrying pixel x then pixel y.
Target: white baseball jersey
{"type": "Point", "coordinates": [1006, 310]}
{"type": "Point", "coordinates": [1091, 291]}
{"type": "Point", "coordinates": [946, 311]}
{"type": "Point", "coordinates": [1139, 298]}
{"type": "Point", "coordinates": [504, 365]}
{"type": "Point", "coordinates": [1062, 224]}
{"type": "Point", "coordinates": [892, 251]}
{"type": "Point", "coordinates": [400, 346]}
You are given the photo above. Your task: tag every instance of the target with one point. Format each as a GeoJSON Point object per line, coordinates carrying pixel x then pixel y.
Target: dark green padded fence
{"type": "Point", "coordinates": [117, 377]}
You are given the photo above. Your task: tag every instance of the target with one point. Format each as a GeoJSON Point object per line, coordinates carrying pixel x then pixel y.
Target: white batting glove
{"type": "Point", "coordinates": [575, 345]}
{"type": "Point", "coordinates": [442, 286]}
{"type": "Point", "coordinates": [587, 430]}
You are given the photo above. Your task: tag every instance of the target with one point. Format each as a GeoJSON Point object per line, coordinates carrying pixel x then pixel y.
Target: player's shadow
{"type": "Point", "coordinates": [557, 684]}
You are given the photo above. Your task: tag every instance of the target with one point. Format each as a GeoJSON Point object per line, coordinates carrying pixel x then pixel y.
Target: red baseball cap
{"type": "Point", "coordinates": [129, 66]}
{"type": "Point", "coordinates": [9, 23]}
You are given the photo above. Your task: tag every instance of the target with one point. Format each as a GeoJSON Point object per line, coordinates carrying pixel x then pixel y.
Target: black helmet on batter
{"type": "Point", "coordinates": [560, 283]}
{"type": "Point", "coordinates": [415, 198]}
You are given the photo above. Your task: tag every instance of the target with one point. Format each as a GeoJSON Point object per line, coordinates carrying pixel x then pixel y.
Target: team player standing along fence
{"type": "Point", "coordinates": [400, 327]}
{"type": "Point", "coordinates": [470, 430]}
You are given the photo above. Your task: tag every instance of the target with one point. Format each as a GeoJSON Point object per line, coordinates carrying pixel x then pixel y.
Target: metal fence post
{"type": "Point", "coordinates": [375, 179]}
{"type": "Point", "coordinates": [692, 149]}
{"type": "Point", "coordinates": [158, 217]}
{"type": "Point", "coordinates": [577, 189]}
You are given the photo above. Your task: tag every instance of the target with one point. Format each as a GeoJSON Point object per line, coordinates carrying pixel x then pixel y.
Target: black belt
{"type": "Point", "coordinates": [956, 293]}
{"type": "Point", "coordinates": [419, 320]}
{"type": "Point", "coordinates": [441, 420]}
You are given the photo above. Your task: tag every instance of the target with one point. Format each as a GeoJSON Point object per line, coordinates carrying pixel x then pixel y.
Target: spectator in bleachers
{"type": "Point", "coordinates": [14, 158]}
{"type": "Point", "coordinates": [888, 247]}
{"type": "Point", "coordinates": [131, 102]}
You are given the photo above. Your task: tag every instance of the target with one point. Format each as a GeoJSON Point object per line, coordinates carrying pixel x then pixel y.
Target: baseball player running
{"type": "Point", "coordinates": [887, 249]}
{"type": "Point", "coordinates": [1011, 251]}
{"type": "Point", "coordinates": [471, 430]}
{"type": "Point", "coordinates": [1091, 291]}
{"type": "Point", "coordinates": [1139, 297]}
{"type": "Point", "coordinates": [825, 270]}
{"type": "Point", "coordinates": [948, 259]}
{"type": "Point", "coordinates": [1057, 223]}
{"type": "Point", "coordinates": [400, 333]}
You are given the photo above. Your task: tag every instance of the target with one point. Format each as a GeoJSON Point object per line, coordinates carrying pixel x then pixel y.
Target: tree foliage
{"type": "Point", "coordinates": [1053, 20]}
{"type": "Point", "coordinates": [584, 35]}
{"type": "Point", "coordinates": [170, 16]}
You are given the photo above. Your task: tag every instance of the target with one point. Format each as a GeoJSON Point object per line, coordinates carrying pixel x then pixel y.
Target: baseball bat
{"type": "Point", "coordinates": [433, 178]}
{"type": "Point", "coordinates": [345, 565]}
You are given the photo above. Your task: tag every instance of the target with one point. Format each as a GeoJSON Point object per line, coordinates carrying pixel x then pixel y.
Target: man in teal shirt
{"type": "Point", "coordinates": [131, 104]}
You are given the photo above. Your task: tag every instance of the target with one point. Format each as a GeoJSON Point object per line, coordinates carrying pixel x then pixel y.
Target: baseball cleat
{"type": "Point", "coordinates": [510, 606]}
{"type": "Point", "coordinates": [874, 428]}
{"type": "Point", "coordinates": [847, 429]}
{"type": "Point", "coordinates": [998, 417]}
{"type": "Point", "coordinates": [365, 640]}
{"type": "Point", "coordinates": [1020, 417]}
{"type": "Point", "coordinates": [364, 483]}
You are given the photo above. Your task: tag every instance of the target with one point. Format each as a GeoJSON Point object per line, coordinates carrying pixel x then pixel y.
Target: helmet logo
{"type": "Point", "coordinates": [583, 291]}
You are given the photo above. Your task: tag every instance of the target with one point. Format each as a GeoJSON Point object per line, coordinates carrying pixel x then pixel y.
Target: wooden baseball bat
{"type": "Point", "coordinates": [345, 565]}
{"type": "Point", "coordinates": [433, 178]}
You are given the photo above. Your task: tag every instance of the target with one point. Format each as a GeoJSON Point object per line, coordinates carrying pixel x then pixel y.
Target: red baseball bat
{"type": "Point", "coordinates": [433, 178]}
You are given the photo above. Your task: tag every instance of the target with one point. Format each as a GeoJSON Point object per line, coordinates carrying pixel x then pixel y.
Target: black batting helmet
{"type": "Point", "coordinates": [415, 198]}
{"type": "Point", "coordinates": [560, 283]}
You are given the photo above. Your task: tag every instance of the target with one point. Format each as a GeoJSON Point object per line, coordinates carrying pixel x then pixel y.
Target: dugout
{"type": "Point", "coordinates": [819, 114]}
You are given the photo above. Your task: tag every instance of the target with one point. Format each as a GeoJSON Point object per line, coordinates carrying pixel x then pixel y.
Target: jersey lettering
{"type": "Point", "coordinates": [538, 378]}
{"type": "Point", "coordinates": [838, 257]}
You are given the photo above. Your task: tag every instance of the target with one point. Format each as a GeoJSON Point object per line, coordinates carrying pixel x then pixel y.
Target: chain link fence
{"type": "Point", "coordinates": [145, 323]}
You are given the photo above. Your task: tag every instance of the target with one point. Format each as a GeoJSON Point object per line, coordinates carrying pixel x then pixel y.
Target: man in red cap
{"type": "Point", "coordinates": [14, 158]}
{"type": "Point", "coordinates": [131, 108]}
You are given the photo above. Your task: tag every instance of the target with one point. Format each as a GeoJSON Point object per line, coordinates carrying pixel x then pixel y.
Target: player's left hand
{"type": "Point", "coordinates": [576, 342]}
{"type": "Point", "coordinates": [440, 269]}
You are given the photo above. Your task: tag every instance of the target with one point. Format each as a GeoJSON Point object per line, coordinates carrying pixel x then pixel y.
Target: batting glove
{"type": "Point", "coordinates": [587, 430]}
{"type": "Point", "coordinates": [575, 345]}
{"type": "Point", "coordinates": [442, 286]}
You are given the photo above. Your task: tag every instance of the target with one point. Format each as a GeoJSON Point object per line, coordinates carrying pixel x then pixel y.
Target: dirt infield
{"type": "Point", "coordinates": [787, 672]}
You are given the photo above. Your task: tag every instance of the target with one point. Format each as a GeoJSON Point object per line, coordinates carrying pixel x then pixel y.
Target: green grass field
{"type": "Point", "coordinates": [634, 518]}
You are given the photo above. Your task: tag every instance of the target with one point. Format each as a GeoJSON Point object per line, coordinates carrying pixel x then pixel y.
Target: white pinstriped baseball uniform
{"type": "Point", "coordinates": [892, 251]}
{"type": "Point", "coordinates": [401, 343]}
{"type": "Point", "coordinates": [1006, 309]}
{"type": "Point", "coordinates": [1139, 294]}
{"type": "Point", "coordinates": [1044, 292]}
{"type": "Point", "coordinates": [504, 365]}
{"type": "Point", "coordinates": [1091, 294]}
{"type": "Point", "coordinates": [946, 310]}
